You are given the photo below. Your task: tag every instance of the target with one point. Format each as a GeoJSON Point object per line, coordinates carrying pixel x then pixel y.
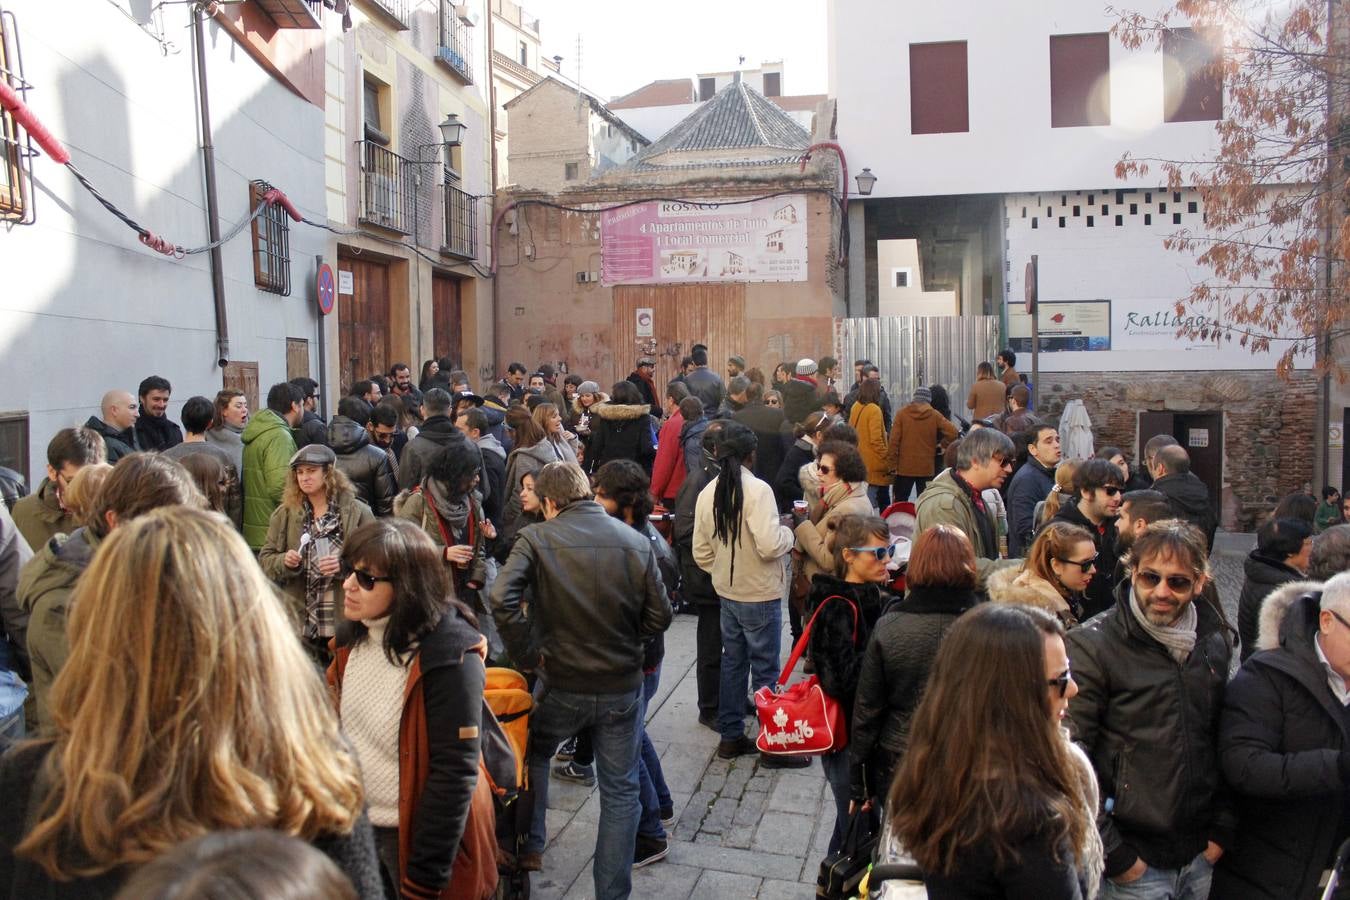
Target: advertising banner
{"type": "Point", "coordinates": [668, 242]}
{"type": "Point", "coordinates": [1078, 325]}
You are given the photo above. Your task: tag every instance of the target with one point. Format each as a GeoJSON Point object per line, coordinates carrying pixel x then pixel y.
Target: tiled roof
{"type": "Point", "coordinates": [663, 92]}
{"type": "Point", "coordinates": [596, 106]}
{"type": "Point", "coordinates": [736, 118]}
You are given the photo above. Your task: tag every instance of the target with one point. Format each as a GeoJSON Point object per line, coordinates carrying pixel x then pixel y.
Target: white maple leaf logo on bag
{"type": "Point", "coordinates": [780, 718]}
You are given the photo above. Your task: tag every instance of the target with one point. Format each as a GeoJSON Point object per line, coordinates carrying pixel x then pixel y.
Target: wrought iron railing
{"type": "Point", "coordinates": [388, 188]}
{"type": "Point", "coordinates": [16, 145]}
{"type": "Point", "coordinates": [399, 9]}
{"type": "Point", "coordinates": [461, 222]}
{"type": "Point", "coordinates": [456, 46]}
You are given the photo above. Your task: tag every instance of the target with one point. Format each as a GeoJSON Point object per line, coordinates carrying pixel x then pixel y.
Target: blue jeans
{"type": "Point", "coordinates": [615, 721]}
{"type": "Point", "coordinates": [835, 766]}
{"type": "Point", "coordinates": [880, 495]}
{"type": "Point", "coordinates": [751, 637]}
{"type": "Point", "coordinates": [1190, 882]}
{"type": "Point", "coordinates": [652, 790]}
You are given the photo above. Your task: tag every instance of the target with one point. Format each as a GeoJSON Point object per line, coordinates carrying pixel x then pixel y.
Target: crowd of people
{"type": "Point", "coordinates": [266, 636]}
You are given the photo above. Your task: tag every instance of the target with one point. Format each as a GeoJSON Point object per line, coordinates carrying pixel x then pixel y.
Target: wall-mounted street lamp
{"type": "Point", "coordinates": [866, 181]}
{"type": "Point", "coordinates": [452, 130]}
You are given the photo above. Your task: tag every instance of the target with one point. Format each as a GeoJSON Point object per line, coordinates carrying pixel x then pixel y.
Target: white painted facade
{"type": "Point", "coordinates": [1010, 146]}
{"type": "Point", "coordinates": [85, 307]}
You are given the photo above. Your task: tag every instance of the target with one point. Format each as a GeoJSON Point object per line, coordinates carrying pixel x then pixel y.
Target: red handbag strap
{"type": "Point", "coordinates": [800, 647]}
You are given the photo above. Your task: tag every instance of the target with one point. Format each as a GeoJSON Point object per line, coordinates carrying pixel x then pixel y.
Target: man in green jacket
{"type": "Point", "coordinates": [268, 448]}
{"type": "Point", "coordinates": [983, 460]}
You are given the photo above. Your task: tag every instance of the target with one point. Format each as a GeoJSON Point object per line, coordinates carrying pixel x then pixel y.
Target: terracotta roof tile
{"type": "Point", "coordinates": [666, 92]}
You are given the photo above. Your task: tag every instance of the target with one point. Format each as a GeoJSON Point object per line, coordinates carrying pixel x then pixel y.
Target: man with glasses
{"type": "Point", "coordinates": [983, 461]}
{"type": "Point", "coordinates": [1282, 740]}
{"type": "Point", "coordinates": [42, 515]}
{"type": "Point", "coordinates": [1151, 674]}
{"type": "Point", "coordinates": [1097, 488]}
{"type": "Point", "coordinates": [312, 429]}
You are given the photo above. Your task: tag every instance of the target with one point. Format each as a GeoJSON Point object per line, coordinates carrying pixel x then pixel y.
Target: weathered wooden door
{"type": "Point", "coordinates": [363, 320]}
{"type": "Point", "coordinates": [447, 324]}
{"type": "Point", "coordinates": [681, 316]}
{"type": "Point", "coordinates": [243, 377]}
{"type": "Point", "coordinates": [297, 358]}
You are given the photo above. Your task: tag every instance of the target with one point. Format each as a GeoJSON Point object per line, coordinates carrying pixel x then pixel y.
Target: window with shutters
{"type": "Point", "coordinates": [1080, 80]}
{"type": "Point", "coordinates": [938, 81]}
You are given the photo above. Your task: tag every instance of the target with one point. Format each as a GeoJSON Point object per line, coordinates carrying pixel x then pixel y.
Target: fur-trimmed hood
{"type": "Point", "coordinates": [580, 410]}
{"type": "Point", "coordinates": [1276, 606]}
{"type": "Point", "coordinates": [1013, 585]}
{"type": "Point", "coordinates": [621, 412]}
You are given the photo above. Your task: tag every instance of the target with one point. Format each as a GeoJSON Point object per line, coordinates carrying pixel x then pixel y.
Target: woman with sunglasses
{"type": "Point", "coordinates": [979, 820]}
{"type": "Point", "coordinates": [1059, 566]}
{"type": "Point", "coordinates": [409, 680]}
{"type": "Point", "coordinates": [843, 492]}
{"type": "Point", "coordinates": [186, 706]}
{"type": "Point", "coordinates": [773, 399]}
{"type": "Point", "coordinates": [941, 582]}
{"type": "Point", "coordinates": [854, 584]}
{"type": "Point", "coordinates": [1099, 493]}
{"type": "Point", "coordinates": [304, 540]}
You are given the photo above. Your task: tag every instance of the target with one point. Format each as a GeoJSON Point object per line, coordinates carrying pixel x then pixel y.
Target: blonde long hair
{"type": "Point", "coordinates": [199, 711]}
{"type": "Point", "coordinates": [1063, 488]}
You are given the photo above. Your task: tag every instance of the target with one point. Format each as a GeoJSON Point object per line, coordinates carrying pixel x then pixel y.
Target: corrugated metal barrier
{"type": "Point", "coordinates": [919, 350]}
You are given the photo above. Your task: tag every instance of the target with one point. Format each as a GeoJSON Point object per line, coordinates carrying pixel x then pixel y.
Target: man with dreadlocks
{"type": "Point", "coordinates": [740, 542]}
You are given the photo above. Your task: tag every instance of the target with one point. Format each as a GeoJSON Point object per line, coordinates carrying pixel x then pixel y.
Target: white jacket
{"type": "Point", "coordinates": [760, 573]}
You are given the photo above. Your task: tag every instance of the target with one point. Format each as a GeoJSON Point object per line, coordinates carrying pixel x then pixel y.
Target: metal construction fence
{"type": "Point", "coordinates": [919, 350]}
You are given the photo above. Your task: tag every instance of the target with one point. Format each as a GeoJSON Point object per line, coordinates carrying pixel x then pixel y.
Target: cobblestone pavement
{"type": "Point", "coordinates": [742, 832]}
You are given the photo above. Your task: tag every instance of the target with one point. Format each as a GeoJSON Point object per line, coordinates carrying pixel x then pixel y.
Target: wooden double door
{"type": "Point", "coordinates": [681, 315]}
{"type": "Point", "coordinates": [363, 320]}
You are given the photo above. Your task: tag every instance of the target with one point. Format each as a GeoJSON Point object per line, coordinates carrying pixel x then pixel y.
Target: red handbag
{"type": "Point", "coordinates": [801, 720]}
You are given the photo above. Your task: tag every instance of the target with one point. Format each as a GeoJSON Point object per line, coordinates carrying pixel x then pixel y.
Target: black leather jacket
{"type": "Point", "coordinates": [365, 465]}
{"type": "Point", "coordinates": [598, 598]}
{"type": "Point", "coordinates": [1150, 726]}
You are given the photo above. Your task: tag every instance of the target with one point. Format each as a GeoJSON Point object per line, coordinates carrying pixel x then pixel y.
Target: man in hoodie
{"type": "Point", "coordinates": [915, 435]}
{"type": "Point", "coordinates": [365, 465]}
{"type": "Point", "coordinates": [268, 448]}
{"type": "Point", "coordinates": [492, 476]}
{"type": "Point", "coordinates": [496, 398]}
{"type": "Point", "coordinates": [154, 430]}
{"type": "Point", "coordinates": [1188, 495]}
{"type": "Point", "coordinates": [1283, 548]}
{"type": "Point", "coordinates": [145, 482]}
{"type": "Point", "coordinates": [1030, 486]}
{"type": "Point", "coordinates": [1097, 485]}
{"type": "Point", "coordinates": [42, 515]}
{"type": "Point", "coordinates": [800, 395]}
{"type": "Point", "coordinates": [691, 434]}
{"type": "Point", "coordinates": [117, 425]}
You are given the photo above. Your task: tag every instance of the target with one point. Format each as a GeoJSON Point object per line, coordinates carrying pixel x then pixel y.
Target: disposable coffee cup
{"type": "Point", "coordinates": [799, 507]}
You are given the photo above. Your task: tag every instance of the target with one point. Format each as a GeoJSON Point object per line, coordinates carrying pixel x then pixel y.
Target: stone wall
{"type": "Point", "coordinates": [1268, 425]}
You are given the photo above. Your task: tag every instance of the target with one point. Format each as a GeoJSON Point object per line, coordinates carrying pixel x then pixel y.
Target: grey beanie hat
{"type": "Point", "coordinates": [923, 395]}
{"type": "Point", "coordinates": [588, 387]}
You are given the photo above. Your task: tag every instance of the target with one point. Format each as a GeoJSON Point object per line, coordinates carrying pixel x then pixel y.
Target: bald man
{"type": "Point", "coordinates": [119, 416]}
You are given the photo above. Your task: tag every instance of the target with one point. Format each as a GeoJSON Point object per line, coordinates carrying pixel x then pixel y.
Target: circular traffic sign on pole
{"type": "Point", "coordinates": [326, 288]}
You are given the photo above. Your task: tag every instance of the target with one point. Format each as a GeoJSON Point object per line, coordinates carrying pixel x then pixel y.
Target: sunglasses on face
{"type": "Point", "coordinates": [824, 470]}
{"type": "Point", "coordinates": [1179, 584]}
{"type": "Point", "coordinates": [1113, 491]}
{"type": "Point", "coordinates": [363, 578]}
{"type": "Point", "coordinates": [1061, 682]}
{"type": "Point", "coordinates": [1082, 564]}
{"type": "Point", "coordinates": [879, 553]}
{"type": "Point", "coordinates": [771, 403]}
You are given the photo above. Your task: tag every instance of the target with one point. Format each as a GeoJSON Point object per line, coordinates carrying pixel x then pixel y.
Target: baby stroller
{"type": "Point", "coordinates": [507, 695]}
{"type": "Point", "coordinates": [900, 521]}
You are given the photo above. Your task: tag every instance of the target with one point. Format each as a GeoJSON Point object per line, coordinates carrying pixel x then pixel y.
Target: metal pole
{"type": "Point", "coordinates": [1036, 336]}
{"type": "Point", "coordinates": [323, 351]}
{"type": "Point", "coordinates": [212, 209]}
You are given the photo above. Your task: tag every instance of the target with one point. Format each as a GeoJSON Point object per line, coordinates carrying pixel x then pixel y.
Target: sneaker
{"type": "Point", "coordinates": [530, 861]}
{"type": "Point", "coordinates": [649, 850]}
{"type": "Point", "coordinates": [741, 746]}
{"type": "Point", "coordinates": [772, 761]}
{"type": "Point", "coordinates": [572, 772]}
{"type": "Point", "coordinates": [668, 816]}
{"type": "Point", "coordinates": [566, 750]}
{"type": "Point", "coordinates": [708, 721]}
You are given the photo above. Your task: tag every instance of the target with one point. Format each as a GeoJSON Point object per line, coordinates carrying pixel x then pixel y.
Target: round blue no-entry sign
{"type": "Point", "coordinates": [326, 289]}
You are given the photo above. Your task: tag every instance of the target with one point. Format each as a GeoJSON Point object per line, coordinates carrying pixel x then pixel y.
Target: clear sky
{"type": "Point", "coordinates": [628, 43]}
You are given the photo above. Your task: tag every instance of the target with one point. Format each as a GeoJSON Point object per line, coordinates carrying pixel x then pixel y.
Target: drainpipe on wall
{"type": "Point", "coordinates": [212, 209]}
{"type": "Point", "coordinates": [492, 137]}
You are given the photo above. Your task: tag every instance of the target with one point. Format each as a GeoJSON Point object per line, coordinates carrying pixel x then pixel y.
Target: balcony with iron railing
{"type": "Point", "coordinates": [294, 13]}
{"type": "Point", "coordinates": [460, 237]}
{"type": "Point", "coordinates": [388, 189]}
{"type": "Point", "coordinates": [456, 44]}
{"type": "Point", "coordinates": [396, 12]}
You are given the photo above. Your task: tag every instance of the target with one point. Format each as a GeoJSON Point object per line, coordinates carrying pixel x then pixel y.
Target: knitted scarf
{"type": "Point", "coordinates": [831, 497]}
{"type": "Point", "coordinates": [1178, 638]}
{"type": "Point", "coordinates": [651, 385]}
